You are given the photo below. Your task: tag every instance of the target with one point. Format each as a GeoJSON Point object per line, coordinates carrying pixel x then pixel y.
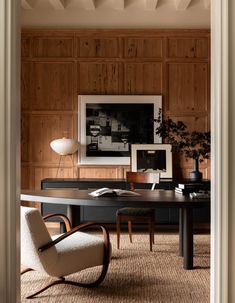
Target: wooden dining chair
{"type": "Point", "coordinates": [137, 215]}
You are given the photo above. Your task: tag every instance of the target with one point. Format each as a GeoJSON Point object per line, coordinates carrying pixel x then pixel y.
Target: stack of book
{"type": "Point", "coordinates": [200, 195]}
{"type": "Point", "coordinates": [187, 188]}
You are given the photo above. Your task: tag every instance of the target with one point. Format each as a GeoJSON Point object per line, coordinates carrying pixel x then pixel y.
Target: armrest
{"type": "Point", "coordinates": [75, 229]}
{"type": "Point", "coordinates": [63, 217]}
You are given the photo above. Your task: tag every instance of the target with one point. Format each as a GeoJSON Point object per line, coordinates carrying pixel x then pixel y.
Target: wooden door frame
{"type": "Point", "coordinates": [9, 150]}
{"type": "Point", "coordinates": [220, 167]}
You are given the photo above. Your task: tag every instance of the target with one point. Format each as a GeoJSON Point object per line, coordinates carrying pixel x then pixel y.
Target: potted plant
{"type": "Point", "coordinates": [194, 145]}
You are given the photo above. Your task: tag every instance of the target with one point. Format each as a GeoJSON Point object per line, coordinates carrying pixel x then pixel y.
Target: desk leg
{"type": "Point", "coordinates": [181, 232]}
{"type": "Point", "coordinates": [73, 213]}
{"type": "Point", "coordinates": [188, 238]}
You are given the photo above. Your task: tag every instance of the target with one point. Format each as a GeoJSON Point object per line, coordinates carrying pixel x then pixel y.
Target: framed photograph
{"type": "Point", "coordinates": [152, 158]}
{"type": "Point", "coordinates": [109, 124]}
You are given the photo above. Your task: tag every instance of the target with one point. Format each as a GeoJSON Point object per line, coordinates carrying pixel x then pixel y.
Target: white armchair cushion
{"type": "Point", "coordinates": [34, 234]}
{"type": "Point", "coordinates": [77, 252]}
{"type": "Point", "coordinates": [70, 253]}
{"type": "Point", "coordinates": [74, 253]}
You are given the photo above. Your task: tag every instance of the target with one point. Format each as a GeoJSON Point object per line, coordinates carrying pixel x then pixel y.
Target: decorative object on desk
{"type": "Point", "coordinates": [64, 147]}
{"type": "Point", "coordinates": [189, 187]}
{"type": "Point", "coordinates": [154, 158]}
{"type": "Point", "coordinates": [194, 144]}
{"type": "Point", "coordinates": [185, 191]}
{"type": "Point", "coordinates": [195, 175]}
{"type": "Point", "coordinates": [200, 195]}
{"type": "Point", "coordinates": [193, 185]}
{"type": "Point", "coordinates": [110, 123]}
{"type": "Point", "coordinates": [107, 192]}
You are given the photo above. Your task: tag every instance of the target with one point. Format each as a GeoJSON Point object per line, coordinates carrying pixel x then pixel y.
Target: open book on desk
{"type": "Point", "coordinates": [108, 192]}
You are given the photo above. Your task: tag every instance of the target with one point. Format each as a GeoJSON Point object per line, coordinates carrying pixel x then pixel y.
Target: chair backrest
{"type": "Point", "coordinates": [34, 234]}
{"type": "Point", "coordinates": [141, 177]}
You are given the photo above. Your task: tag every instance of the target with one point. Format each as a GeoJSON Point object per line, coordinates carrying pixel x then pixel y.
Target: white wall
{"type": "Point", "coordinates": [104, 16]}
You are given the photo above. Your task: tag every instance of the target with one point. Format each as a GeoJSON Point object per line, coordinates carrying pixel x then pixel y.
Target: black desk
{"type": "Point", "coordinates": [107, 214]}
{"type": "Point", "coordinates": [154, 199]}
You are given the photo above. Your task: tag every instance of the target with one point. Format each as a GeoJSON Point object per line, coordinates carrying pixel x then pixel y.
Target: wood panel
{"type": "Point", "coordinates": [25, 184]}
{"type": "Point", "coordinates": [25, 47]}
{"type": "Point", "coordinates": [25, 85]}
{"type": "Point", "coordinates": [58, 65]}
{"type": "Point", "coordinates": [53, 47]}
{"type": "Point", "coordinates": [143, 78]}
{"type": "Point", "coordinates": [52, 86]}
{"type": "Point", "coordinates": [101, 172]}
{"type": "Point", "coordinates": [197, 122]}
{"type": "Point", "coordinates": [90, 47]}
{"type": "Point", "coordinates": [45, 128]}
{"type": "Point", "coordinates": [143, 47]}
{"type": "Point", "coordinates": [25, 139]}
{"type": "Point", "coordinates": [188, 47]}
{"type": "Point", "coordinates": [98, 78]}
{"type": "Point", "coordinates": [25, 174]}
{"type": "Point", "coordinates": [202, 48]}
{"type": "Point", "coordinates": [49, 172]}
{"type": "Point", "coordinates": [188, 87]}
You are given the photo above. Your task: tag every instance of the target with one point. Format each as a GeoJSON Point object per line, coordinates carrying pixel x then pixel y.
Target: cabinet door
{"type": "Point", "coordinates": [162, 215]}
{"type": "Point", "coordinates": [99, 214]}
{"type": "Point", "coordinates": [48, 208]}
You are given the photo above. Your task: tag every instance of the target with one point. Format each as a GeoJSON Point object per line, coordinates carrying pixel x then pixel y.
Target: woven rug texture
{"type": "Point", "coordinates": [136, 275]}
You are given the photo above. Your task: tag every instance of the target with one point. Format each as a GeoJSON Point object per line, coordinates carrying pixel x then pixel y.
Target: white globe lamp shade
{"type": "Point", "coordinates": [64, 146]}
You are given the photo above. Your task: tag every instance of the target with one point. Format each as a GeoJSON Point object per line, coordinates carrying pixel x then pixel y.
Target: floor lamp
{"type": "Point", "coordinates": [64, 147]}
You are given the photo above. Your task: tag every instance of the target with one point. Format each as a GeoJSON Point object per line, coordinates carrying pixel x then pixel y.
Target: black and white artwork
{"type": "Point", "coordinates": [112, 123]}
{"type": "Point", "coordinates": [152, 158]}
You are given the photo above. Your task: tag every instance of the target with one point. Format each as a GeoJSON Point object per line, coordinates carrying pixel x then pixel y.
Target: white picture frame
{"type": "Point", "coordinates": [152, 158]}
{"type": "Point", "coordinates": [118, 103]}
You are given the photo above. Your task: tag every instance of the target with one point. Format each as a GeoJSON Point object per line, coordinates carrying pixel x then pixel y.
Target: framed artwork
{"type": "Point", "coordinates": [109, 124]}
{"type": "Point", "coordinates": [152, 158]}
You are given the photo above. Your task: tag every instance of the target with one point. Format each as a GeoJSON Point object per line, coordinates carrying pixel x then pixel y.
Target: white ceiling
{"type": "Point", "coordinates": [116, 13]}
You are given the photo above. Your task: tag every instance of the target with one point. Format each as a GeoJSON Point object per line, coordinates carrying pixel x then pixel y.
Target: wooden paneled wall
{"type": "Point", "coordinates": [58, 65]}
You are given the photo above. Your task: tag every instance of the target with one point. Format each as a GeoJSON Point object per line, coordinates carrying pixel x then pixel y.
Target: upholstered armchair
{"type": "Point", "coordinates": [61, 255]}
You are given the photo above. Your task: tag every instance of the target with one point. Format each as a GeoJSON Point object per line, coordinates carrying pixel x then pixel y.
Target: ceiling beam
{"type": "Point", "coordinates": [58, 4]}
{"type": "Point", "coordinates": [27, 4]}
{"type": "Point", "coordinates": [182, 4]}
{"type": "Point", "coordinates": [151, 4]}
{"type": "Point", "coordinates": [118, 4]}
{"type": "Point", "coordinates": [89, 4]}
{"type": "Point", "coordinates": [207, 3]}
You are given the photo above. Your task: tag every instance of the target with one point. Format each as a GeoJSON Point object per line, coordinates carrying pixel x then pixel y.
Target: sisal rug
{"type": "Point", "coordinates": [136, 275]}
